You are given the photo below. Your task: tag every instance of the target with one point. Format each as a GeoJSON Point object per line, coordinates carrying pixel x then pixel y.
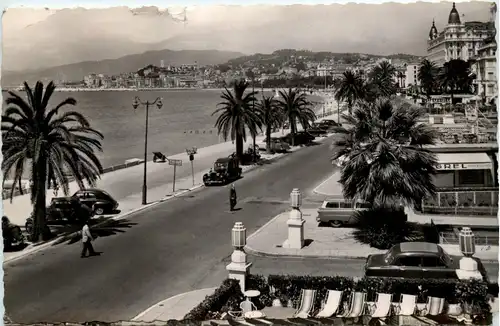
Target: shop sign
{"type": "Point", "coordinates": [464, 166]}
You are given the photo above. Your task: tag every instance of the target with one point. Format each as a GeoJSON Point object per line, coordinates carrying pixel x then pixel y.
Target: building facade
{"type": "Point", "coordinates": [411, 75]}
{"type": "Point", "coordinates": [457, 40]}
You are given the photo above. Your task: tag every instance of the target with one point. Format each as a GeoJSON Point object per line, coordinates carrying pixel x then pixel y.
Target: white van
{"type": "Point", "coordinates": [340, 211]}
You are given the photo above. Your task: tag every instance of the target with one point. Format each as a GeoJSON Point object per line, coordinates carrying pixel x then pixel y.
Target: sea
{"type": "Point", "coordinates": [184, 121]}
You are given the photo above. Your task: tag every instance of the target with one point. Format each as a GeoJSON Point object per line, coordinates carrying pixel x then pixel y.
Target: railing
{"type": "Point", "coordinates": [450, 237]}
{"type": "Point", "coordinates": [463, 202]}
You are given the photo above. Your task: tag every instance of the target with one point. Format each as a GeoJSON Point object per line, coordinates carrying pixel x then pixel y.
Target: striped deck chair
{"type": "Point", "coordinates": [306, 304]}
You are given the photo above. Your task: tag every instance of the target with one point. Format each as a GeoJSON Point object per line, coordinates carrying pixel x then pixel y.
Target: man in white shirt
{"type": "Point", "coordinates": [87, 241]}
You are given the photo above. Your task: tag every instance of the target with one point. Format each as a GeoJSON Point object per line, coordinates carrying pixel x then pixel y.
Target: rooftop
{"type": "Point", "coordinates": [418, 246]}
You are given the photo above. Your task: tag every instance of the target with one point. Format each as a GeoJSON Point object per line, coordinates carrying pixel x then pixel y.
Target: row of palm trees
{"type": "Point", "coordinates": [241, 111]}
{"type": "Point", "coordinates": [453, 77]}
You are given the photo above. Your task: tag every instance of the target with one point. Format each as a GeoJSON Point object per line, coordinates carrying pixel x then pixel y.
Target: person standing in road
{"type": "Point", "coordinates": [232, 197]}
{"type": "Point", "coordinates": [87, 240]}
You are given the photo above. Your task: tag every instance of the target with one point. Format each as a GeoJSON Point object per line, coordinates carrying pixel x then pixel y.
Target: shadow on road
{"type": "Point", "coordinates": [99, 227]}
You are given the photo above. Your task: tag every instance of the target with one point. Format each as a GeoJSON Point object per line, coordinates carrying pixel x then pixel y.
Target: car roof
{"type": "Point", "coordinates": [423, 247]}
{"type": "Point", "coordinates": [223, 160]}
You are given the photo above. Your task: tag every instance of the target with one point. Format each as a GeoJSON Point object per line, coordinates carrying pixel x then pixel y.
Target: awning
{"type": "Point", "coordinates": [463, 161]}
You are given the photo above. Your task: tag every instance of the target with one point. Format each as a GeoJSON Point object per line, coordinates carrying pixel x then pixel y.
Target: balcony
{"type": "Point", "coordinates": [463, 202]}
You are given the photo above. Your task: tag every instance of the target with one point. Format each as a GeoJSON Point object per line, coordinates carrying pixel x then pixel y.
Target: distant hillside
{"type": "Point", "coordinates": [285, 56]}
{"type": "Point", "coordinates": [129, 63]}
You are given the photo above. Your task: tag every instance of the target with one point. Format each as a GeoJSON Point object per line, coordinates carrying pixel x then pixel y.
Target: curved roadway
{"type": "Point", "coordinates": [177, 246]}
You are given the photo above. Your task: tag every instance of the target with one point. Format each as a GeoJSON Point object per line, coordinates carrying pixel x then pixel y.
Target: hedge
{"type": "Point", "coordinates": [226, 298]}
{"type": "Point", "coordinates": [287, 288]}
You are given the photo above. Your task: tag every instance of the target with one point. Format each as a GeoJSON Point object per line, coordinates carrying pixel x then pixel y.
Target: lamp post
{"type": "Point", "coordinates": [238, 268]}
{"type": "Point", "coordinates": [135, 104]}
{"type": "Point", "coordinates": [468, 266]}
{"type": "Point", "coordinates": [295, 222]}
{"type": "Point", "coordinates": [191, 152]}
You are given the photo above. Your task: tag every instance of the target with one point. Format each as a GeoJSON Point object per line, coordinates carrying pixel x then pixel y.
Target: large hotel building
{"type": "Point", "coordinates": [457, 40]}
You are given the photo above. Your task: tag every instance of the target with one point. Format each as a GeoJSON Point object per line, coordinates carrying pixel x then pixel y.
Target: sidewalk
{"type": "Point", "coordinates": [175, 307]}
{"type": "Point", "coordinates": [326, 242]}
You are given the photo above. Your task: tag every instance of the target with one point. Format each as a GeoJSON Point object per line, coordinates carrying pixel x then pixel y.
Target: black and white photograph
{"type": "Point", "coordinates": [250, 164]}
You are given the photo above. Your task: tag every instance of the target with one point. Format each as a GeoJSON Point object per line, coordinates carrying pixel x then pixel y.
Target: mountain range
{"type": "Point", "coordinates": [129, 63]}
{"type": "Point", "coordinates": [48, 38]}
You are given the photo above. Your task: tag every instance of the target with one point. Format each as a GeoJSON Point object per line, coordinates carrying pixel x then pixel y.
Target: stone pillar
{"type": "Point", "coordinates": [238, 268]}
{"type": "Point", "coordinates": [295, 223]}
{"type": "Point", "coordinates": [468, 266]}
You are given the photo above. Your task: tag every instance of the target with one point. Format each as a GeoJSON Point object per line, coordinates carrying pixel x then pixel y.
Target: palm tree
{"type": "Point", "coordinates": [382, 77]}
{"type": "Point", "coordinates": [55, 145]}
{"type": "Point", "coordinates": [351, 89]}
{"type": "Point", "coordinates": [384, 161]}
{"type": "Point", "coordinates": [296, 108]}
{"type": "Point", "coordinates": [455, 76]}
{"type": "Point", "coordinates": [236, 115]}
{"type": "Point", "coordinates": [401, 77]}
{"type": "Point", "coordinates": [272, 117]}
{"type": "Point", "coordinates": [427, 75]}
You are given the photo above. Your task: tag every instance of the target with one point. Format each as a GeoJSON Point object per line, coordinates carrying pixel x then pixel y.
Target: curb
{"type": "Point", "coordinates": [253, 252]}
{"type": "Point", "coordinates": [137, 318]}
{"type": "Point", "coordinates": [52, 242]}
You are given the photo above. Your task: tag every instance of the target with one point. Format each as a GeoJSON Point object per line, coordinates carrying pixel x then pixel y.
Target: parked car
{"type": "Point", "coordinates": [340, 211]}
{"type": "Point", "coordinates": [277, 145]}
{"type": "Point", "coordinates": [301, 138]}
{"type": "Point", "coordinates": [416, 260]}
{"type": "Point", "coordinates": [225, 170]}
{"type": "Point", "coordinates": [99, 201]}
{"type": "Point", "coordinates": [317, 131]}
{"type": "Point", "coordinates": [64, 209]}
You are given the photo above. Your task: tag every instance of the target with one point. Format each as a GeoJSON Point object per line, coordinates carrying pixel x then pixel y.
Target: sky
{"type": "Point", "coordinates": [73, 35]}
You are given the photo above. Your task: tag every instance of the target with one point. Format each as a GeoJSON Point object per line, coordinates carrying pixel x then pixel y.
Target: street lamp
{"type": "Point", "coordinates": [135, 104]}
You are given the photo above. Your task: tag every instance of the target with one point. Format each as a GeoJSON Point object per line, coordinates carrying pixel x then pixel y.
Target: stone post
{"type": "Point", "coordinates": [239, 267]}
{"type": "Point", "coordinates": [295, 222]}
{"type": "Point", "coordinates": [468, 266]}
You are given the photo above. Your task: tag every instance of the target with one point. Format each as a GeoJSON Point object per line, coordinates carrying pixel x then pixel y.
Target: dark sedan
{"type": "Point", "coordinates": [98, 200]}
{"type": "Point", "coordinates": [415, 260]}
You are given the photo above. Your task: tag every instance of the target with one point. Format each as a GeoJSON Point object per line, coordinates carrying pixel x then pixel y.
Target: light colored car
{"type": "Point", "coordinates": [340, 211]}
{"type": "Point", "coordinates": [277, 145]}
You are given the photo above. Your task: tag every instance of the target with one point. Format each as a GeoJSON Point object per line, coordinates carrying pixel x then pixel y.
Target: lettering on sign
{"type": "Point", "coordinates": [464, 166]}
{"type": "Point", "coordinates": [174, 162]}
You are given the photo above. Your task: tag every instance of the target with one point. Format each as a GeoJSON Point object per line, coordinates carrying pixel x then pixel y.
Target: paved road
{"type": "Point", "coordinates": [174, 247]}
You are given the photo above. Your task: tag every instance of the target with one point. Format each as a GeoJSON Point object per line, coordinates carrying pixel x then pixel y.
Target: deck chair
{"type": "Point", "coordinates": [407, 306]}
{"type": "Point", "coordinates": [433, 307]}
{"type": "Point", "coordinates": [381, 308]}
{"type": "Point", "coordinates": [306, 304]}
{"type": "Point", "coordinates": [357, 305]}
{"type": "Point", "coordinates": [332, 304]}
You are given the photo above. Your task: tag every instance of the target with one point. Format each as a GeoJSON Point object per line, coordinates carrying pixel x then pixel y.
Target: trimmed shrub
{"type": "Point", "coordinates": [226, 298]}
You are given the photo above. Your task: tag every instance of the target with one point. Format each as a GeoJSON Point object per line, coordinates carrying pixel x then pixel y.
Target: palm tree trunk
{"type": "Point", "coordinates": [239, 148]}
{"type": "Point", "coordinates": [268, 139]}
{"type": "Point", "coordinates": [40, 230]}
{"type": "Point", "coordinates": [292, 129]}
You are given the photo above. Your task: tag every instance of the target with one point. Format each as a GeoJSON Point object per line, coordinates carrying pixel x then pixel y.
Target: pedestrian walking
{"type": "Point", "coordinates": [87, 241]}
{"type": "Point", "coordinates": [232, 197]}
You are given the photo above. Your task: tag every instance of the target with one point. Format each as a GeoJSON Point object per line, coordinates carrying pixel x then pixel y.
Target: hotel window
{"type": "Point", "coordinates": [471, 177]}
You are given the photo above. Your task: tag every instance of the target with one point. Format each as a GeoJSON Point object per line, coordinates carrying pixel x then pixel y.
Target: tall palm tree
{"type": "Point", "coordinates": [296, 108]}
{"type": "Point", "coordinates": [427, 75]}
{"type": "Point", "coordinates": [351, 89]}
{"type": "Point", "coordinates": [455, 76]}
{"type": "Point", "coordinates": [55, 145]}
{"type": "Point", "coordinates": [384, 161]}
{"type": "Point", "coordinates": [272, 117]}
{"type": "Point", "coordinates": [382, 77]}
{"type": "Point", "coordinates": [236, 115]}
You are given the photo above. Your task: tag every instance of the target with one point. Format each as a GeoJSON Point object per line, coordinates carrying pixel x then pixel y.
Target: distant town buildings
{"type": "Point", "coordinates": [411, 74]}
{"type": "Point", "coordinates": [457, 40]}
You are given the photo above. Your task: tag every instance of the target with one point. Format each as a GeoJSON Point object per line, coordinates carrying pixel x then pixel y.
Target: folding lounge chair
{"type": "Point", "coordinates": [306, 304]}
{"type": "Point", "coordinates": [332, 304]}
{"type": "Point", "coordinates": [357, 305]}
{"type": "Point", "coordinates": [407, 306]}
{"type": "Point", "coordinates": [433, 307]}
{"type": "Point", "coordinates": [381, 308]}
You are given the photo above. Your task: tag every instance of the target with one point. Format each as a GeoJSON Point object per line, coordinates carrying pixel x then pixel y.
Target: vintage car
{"type": "Point", "coordinates": [277, 145]}
{"type": "Point", "coordinates": [225, 170]}
{"type": "Point", "coordinates": [301, 138]}
{"type": "Point", "coordinates": [416, 260]}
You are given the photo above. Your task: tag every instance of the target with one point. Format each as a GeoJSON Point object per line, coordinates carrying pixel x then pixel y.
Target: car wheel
{"type": "Point", "coordinates": [335, 224]}
{"type": "Point", "coordinates": [98, 211]}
